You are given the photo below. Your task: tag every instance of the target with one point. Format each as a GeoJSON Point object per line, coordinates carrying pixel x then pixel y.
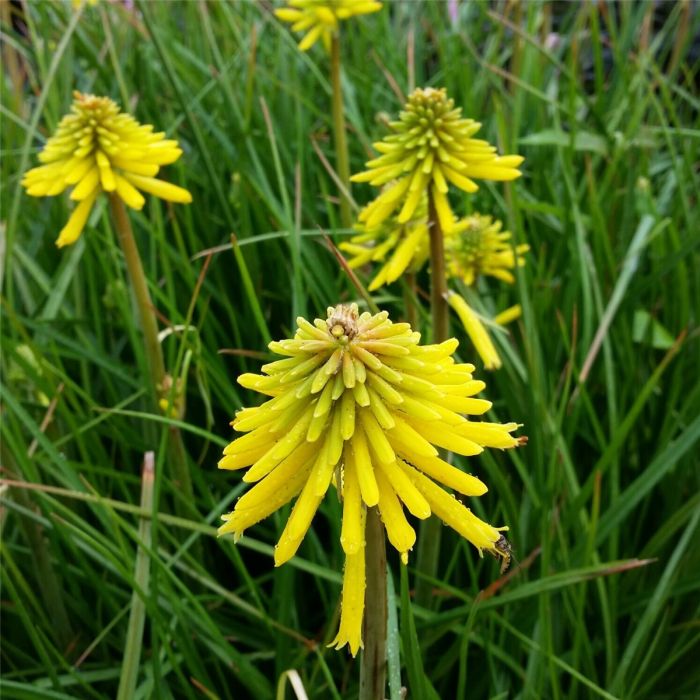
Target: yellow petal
{"type": "Point", "coordinates": [287, 14]}
{"type": "Point", "coordinates": [365, 468]}
{"type": "Point", "coordinates": [476, 331]}
{"type": "Point", "coordinates": [445, 436]}
{"type": "Point", "coordinates": [74, 227]}
{"type": "Point", "coordinates": [401, 535]}
{"type": "Point", "coordinates": [347, 415]}
{"type": "Point", "coordinates": [449, 475]}
{"type": "Point", "coordinates": [510, 314]}
{"type": "Point", "coordinates": [406, 440]}
{"type": "Point", "coordinates": [489, 434]}
{"type": "Point", "coordinates": [376, 437]}
{"type": "Point", "coordinates": [87, 185]}
{"type": "Point", "coordinates": [300, 461]}
{"type": "Point", "coordinates": [164, 190]}
{"type": "Point", "coordinates": [299, 521]}
{"type": "Point", "coordinates": [405, 490]}
{"type": "Point", "coordinates": [133, 166]}
{"type": "Point", "coordinates": [311, 38]}
{"type": "Point", "coordinates": [353, 601]}
{"type": "Point", "coordinates": [128, 193]}
{"type": "Point", "coordinates": [242, 459]}
{"type": "Point", "coordinates": [352, 534]}
{"type": "Point", "coordinates": [264, 499]}
{"type": "Point", "coordinates": [454, 514]}
{"type": "Point", "coordinates": [464, 183]}
{"type": "Point", "coordinates": [444, 212]}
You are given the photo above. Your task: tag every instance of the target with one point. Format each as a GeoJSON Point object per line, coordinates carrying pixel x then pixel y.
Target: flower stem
{"type": "Point", "coordinates": [373, 664]}
{"type": "Point", "coordinates": [431, 529]}
{"type": "Point", "coordinates": [438, 281]}
{"type": "Point", "coordinates": [145, 306]}
{"type": "Point", "coordinates": [410, 291]}
{"type": "Point", "coordinates": [149, 325]}
{"type": "Point", "coordinates": [341, 143]}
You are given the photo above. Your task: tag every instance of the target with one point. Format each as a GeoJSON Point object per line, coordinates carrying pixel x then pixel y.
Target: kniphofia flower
{"type": "Point", "coordinates": [321, 18]}
{"type": "Point", "coordinates": [477, 246]}
{"type": "Point", "coordinates": [358, 402]}
{"type": "Point", "coordinates": [431, 147]}
{"type": "Point", "coordinates": [98, 148]}
{"type": "Point", "coordinates": [398, 246]}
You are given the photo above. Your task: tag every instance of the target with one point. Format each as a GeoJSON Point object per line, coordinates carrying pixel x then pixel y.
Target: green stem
{"type": "Point", "coordinates": [137, 616]}
{"type": "Point", "coordinates": [137, 278]}
{"type": "Point", "coordinates": [149, 326]}
{"type": "Point", "coordinates": [431, 529]}
{"type": "Point", "coordinates": [373, 662]}
{"type": "Point", "coordinates": [341, 143]}
{"type": "Point", "coordinates": [410, 292]}
{"type": "Point", "coordinates": [438, 280]}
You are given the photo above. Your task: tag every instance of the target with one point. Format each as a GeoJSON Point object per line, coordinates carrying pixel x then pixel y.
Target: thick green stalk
{"type": "Point", "coordinates": [373, 662]}
{"type": "Point", "coordinates": [137, 278]}
{"type": "Point", "coordinates": [137, 616]}
{"type": "Point", "coordinates": [431, 529]}
{"type": "Point", "coordinates": [149, 325]}
{"type": "Point", "coordinates": [341, 143]}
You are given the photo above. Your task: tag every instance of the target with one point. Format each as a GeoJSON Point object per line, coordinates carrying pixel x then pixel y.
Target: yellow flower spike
{"type": "Point", "coordinates": [321, 17]}
{"type": "Point", "coordinates": [359, 403]}
{"type": "Point", "coordinates": [431, 146]}
{"type": "Point", "coordinates": [477, 246]}
{"type": "Point", "coordinates": [98, 148]}
{"type": "Point", "coordinates": [476, 331]}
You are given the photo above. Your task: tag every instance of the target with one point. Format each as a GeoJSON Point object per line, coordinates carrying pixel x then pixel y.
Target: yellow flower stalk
{"type": "Point", "coordinates": [357, 401]}
{"type": "Point", "coordinates": [400, 247]}
{"type": "Point", "coordinates": [98, 148]}
{"type": "Point", "coordinates": [477, 246]}
{"type": "Point", "coordinates": [430, 148]}
{"type": "Point", "coordinates": [321, 18]}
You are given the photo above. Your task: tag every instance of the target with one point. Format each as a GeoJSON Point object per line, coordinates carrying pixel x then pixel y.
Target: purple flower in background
{"type": "Point", "coordinates": [453, 10]}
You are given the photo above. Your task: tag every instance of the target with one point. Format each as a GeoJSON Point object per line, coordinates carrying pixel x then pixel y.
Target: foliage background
{"type": "Point", "coordinates": [603, 504]}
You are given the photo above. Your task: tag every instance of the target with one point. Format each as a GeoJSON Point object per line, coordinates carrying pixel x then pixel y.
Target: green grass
{"type": "Point", "coordinates": [603, 504]}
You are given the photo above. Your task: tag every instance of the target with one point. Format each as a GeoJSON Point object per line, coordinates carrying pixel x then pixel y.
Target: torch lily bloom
{"type": "Point", "coordinates": [98, 148]}
{"type": "Point", "coordinates": [358, 402]}
{"type": "Point", "coordinates": [431, 146]}
{"type": "Point", "coordinates": [322, 17]}
{"type": "Point", "coordinates": [477, 246]}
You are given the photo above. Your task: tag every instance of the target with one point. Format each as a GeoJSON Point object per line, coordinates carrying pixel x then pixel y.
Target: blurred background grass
{"type": "Point", "coordinates": [603, 504]}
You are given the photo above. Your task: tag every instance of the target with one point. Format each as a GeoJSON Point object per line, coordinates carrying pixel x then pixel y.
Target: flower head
{"type": "Point", "coordinates": [431, 146]}
{"type": "Point", "coordinates": [98, 148]}
{"type": "Point", "coordinates": [477, 246]}
{"type": "Point", "coordinates": [322, 17]}
{"type": "Point", "coordinates": [400, 246]}
{"type": "Point", "coordinates": [360, 403]}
